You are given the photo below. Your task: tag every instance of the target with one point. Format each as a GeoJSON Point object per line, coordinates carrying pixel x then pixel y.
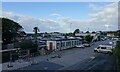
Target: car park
{"type": "Point", "coordinates": [103, 49]}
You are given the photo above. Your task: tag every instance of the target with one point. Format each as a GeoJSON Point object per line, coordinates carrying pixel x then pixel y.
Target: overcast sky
{"type": "Point", "coordinates": [58, 16]}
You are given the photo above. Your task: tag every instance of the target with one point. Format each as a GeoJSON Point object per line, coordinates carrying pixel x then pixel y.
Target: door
{"type": "Point", "coordinates": [51, 45]}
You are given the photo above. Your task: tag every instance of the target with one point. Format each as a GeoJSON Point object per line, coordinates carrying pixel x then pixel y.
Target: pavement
{"type": "Point", "coordinates": [43, 65]}
{"type": "Point", "coordinates": [68, 58]}
{"type": "Point", "coordinates": [16, 65]}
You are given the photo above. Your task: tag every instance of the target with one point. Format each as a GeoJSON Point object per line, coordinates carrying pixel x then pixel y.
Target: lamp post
{"type": "Point", "coordinates": [70, 26]}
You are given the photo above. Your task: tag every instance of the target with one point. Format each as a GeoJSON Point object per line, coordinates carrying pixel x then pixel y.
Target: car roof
{"type": "Point", "coordinates": [105, 45]}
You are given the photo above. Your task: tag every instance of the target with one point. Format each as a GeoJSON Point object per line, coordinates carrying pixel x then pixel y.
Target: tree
{"type": "Point", "coordinates": [36, 29]}
{"type": "Point", "coordinates": [70, 34]}
{"type": "Point", "coordinates": [118, 33]}
{"type": "Point", "coordinates": [87, 32]}
{"type": "Point", "coordinates": [26, 45]}
{"type": "Point", "coordinates": [116, 52]}
{"type": "Point", "coordinates": [22, 33]}
{"type": "Point", "coordinates": [29, 45]}
{"type": "Point", "coordinates": [76, 31]}
{"type": "Point", "coordinates": [88, 38]}
{"type": "Point", "coordinates": [10, 30]}
{"type": "Point", "coordinates": [93, 32]}
{"type": "Point", "coordinates": [65, 36]}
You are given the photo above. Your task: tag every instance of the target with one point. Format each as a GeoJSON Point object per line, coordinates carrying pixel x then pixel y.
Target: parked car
{"type": "Point", "coordinates": [103, 39]}
{"type": "Point", "coordinates": [103, 49]}
{"type": "Point", "coordinates": [86, 44]}
{"type": "Point", "coordinates": [80, 46]}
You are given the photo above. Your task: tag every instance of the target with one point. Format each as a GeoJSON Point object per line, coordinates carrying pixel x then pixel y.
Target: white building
{"type": "Point", "coordinates": [60, 44]}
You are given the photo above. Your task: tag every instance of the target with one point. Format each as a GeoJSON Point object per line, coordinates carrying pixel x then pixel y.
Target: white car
{"type": "Point", "coordinates": [80, 46]}
{"type": "Point", "coordinates": [87, 45]}
{"type": "Point", "coordinates": [103, 49]}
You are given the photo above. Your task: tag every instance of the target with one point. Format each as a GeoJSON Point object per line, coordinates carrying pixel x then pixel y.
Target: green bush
{"type": "Point", "coordinates": [26, 44]}
{"type": "Point", "coordinates": [116, 53]}
{"type": "Point", "coordinates": [88, 38]}
{"type": "Point", "coordinates": [6, 56]}
{"type": "Point", "coordinates": [29, 45]}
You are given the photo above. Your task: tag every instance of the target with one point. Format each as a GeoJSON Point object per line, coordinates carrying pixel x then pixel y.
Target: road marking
{"type": "Point", "coordinates": [45, 68]}
{"type": "Point", "coordinates": [92, 57]}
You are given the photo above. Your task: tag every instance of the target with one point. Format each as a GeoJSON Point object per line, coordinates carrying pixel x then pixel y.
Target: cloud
{"type": "Point", "coordinates": [55, 14]}
{"type": "Point", "coordinates": [93, 6]}
{"type": "Point", "coordinates": [105, 19]}
{"type": "Point", "coordinates": [107, 15]}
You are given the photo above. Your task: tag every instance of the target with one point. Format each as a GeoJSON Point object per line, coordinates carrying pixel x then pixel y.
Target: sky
{"type": "Point", "coordinates": [63, 16]}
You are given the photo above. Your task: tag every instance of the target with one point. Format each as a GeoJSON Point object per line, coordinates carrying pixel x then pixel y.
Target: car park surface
{"type": "Point", "coordinates": [71, 57]}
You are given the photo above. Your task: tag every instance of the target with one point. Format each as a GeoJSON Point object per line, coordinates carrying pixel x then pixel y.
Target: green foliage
{"type": "Point", "coordinates": [36, 29]}
{"type": "Point", "coordinates": [93, 32]}
{"type": "Point", "coordinates": [116, 53]}
{"type": "Point", "coordinates": [66, 36]}
{"type": "Point", "coordinates": [6, 56]}
{"type": "Point", "coordinates": [76, 31]}
{"type": "Point", "coordinates": [10, 30]}
{"type": "Point", "coordinates": [28, 44]}
{"type": "Point", "coordinates": [88, 38]}
{"type": "Point", "coordinates": [87, 32]}
{"type": "Point", "coordinates": [70, 34]}
{"type": "Point", "coordinates": [118, 33]}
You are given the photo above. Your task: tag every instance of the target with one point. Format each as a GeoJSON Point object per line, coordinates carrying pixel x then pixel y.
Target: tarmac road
{"type": "Point", "coordinates": [102, 63]}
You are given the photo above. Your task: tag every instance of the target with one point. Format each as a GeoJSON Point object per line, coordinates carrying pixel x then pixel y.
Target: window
{"type": "Point", "coordinates": [103, 47]}
{"type": "Point", "coordinates": [72, 42]}
{"type": "Point", "coordinates": [58, 45]}
{"type": "Point", "coordinates": [63, 44]}
{"type": "Point", "coordinates": [67, 43]}
{"type": "Point", "coordinates": [75, 42]}
{"type": "Point", "coordinates": [98, 47]}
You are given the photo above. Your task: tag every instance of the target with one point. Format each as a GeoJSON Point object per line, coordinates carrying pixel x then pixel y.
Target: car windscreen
{"type": "Point", "coordinates": [98, 47]}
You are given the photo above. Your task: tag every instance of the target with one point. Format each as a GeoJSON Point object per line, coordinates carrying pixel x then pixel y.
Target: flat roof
{"type": "Point", "coordinates": [62, 39]}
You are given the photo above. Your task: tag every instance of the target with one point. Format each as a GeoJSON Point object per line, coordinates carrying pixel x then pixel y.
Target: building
{"type": "Point", "coordinates": [55, 44]}
{"type": "Point", "coordinates": [85, 34]}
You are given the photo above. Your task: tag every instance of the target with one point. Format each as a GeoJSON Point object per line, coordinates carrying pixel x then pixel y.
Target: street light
{"type": "Point", "coordinates": [70, 26]}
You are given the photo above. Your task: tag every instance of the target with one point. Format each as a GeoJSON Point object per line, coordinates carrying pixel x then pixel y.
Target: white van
{"type": "Point", "coordinates": [103, 49]}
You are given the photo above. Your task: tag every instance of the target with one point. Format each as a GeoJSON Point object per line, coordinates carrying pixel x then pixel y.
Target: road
{"type": "Point", "coordinates": [103, 62]}
{"type": "Point", "coordinates": [76, 59]}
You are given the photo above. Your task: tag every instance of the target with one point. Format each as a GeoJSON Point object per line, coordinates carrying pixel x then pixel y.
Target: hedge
{"type": "Point", "coordinates": [116, 53]}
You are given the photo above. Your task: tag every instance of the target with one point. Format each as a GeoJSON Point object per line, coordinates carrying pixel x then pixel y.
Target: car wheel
{"type": "Point", "coordinates": [108, 52]}
{"type": "Point", "coordinates": [97, 51]}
